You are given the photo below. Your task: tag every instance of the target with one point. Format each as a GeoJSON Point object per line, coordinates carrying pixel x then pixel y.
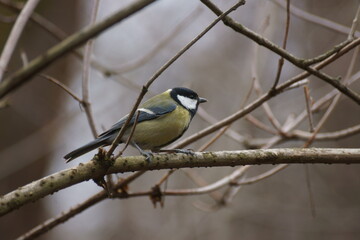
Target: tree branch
{"type": "Point", "coordinates": [258, 102]}
{"type": "Point", "coordinates": [95, 169]}
{"type": "Point", "coordinates": [301, 63]}
{"type": "Point", "coordinates": [77, 39]}
{"type": "Point", "coordinates": [64, 216]}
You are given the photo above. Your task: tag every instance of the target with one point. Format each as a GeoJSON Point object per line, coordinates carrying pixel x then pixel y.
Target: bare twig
{"type": "Point", "coordinates": [316, 19]}
{"type": "Point", "coordinates": [15, 35]}
{"type": "Point", "coordinates": [230, 193]}
{"type": "Point", "coordinates": [326, 136]}
{"type": "Point", "coordinates": [334, 101]}
{"type": "Point", "coordinates": [257, 123]}
{"type": "Point", "coordinates": [203, 114]}
{"type": "Point", "coordinates": [86, 75]}
{"type": "Point", "coordinates": [63, 86]}
{"type": "Point", "coordinates": [354, 24]}
{"type": "Point", "coordinates": [215, 138]}
{"type": "Point", "coordinates": [309, 188]}
{"type": "Point", "coordinates": [24, 57]}
{"type": "Point", "coordinates": [269, 113]}
{"type": "Point", "coordinates": [211, 187]}
{"type": "Point", "coordinates": [262, 176]}
{"type": "Point", "coordinates": [131, 133]}
{"type": "Point", "coordinates": [281, 60]}
{"type": "Point", "coordinates": [170, 36]}
{"type": "Point", "coordinates": [308, 108]}
{"type": "Point", "coordinates": [256, 84]}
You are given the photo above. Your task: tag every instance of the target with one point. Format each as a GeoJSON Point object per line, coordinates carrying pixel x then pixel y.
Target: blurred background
{"type": "Point", "coordinates": [42, 123]}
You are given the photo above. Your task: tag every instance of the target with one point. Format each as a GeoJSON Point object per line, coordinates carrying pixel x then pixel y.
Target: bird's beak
{"type": "Point", "coordinates": [202, 100]}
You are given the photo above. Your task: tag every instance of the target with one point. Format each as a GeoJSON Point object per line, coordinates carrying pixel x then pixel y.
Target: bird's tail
{"type": "Point", "coordinates": [86, 148]}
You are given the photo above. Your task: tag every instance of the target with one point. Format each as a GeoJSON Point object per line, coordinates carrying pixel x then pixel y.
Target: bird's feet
{"type": "Point", "coordinates": [148, 155]}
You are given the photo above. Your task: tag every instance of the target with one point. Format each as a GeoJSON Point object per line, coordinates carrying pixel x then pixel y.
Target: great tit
{"type": "Point", "coordinates": [161, 120]}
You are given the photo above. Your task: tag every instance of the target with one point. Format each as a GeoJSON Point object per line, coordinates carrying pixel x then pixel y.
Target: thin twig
{"type": "Point", "coordinates": [262, 176]}
{"type": "Point", "coordinates": [165, 177]}
{"type": "Point", "coordinates": [214, 139]}
{"type": "Point", "coordinates": [309, 188]}
{"type": "Point", "coordinates": [269, 113]}
{"type": "Point", "coordinates": [201, 182]}
{"type": "Point", "coordinates": [86, 74]}
{"type": "Point", "coordinates": [131, 133]}
{"type": "Point", "coordinates": [203, 114]}
{"type": "Point", "coordinates": [159, 45]}
{"type": "Point", "coordinates": [62, 86]}
{"type": "Point", "coordinates": [273, 120]}
{"type": "Point", "coordinates": [326, 136]}
{"type": "Point", "coordinates": [257, 123]}
{"type": "Point", "coordinates": [15, 34]}
{"type": "Point", "coordinates": [354, 24]}
{"type": "Point", "coordinates": [281, 60]}
{"type": "Point", "coordinates": [308, 108]}
{"type": "Point", "coordinates": [230, 193]}
{"type": "Point", "coordinates": [335, 100]}
{"type": "Point", "coordinates": [316, 19]}
{"type": "Point", "coordinates": [24, 57]}
{"type": "Point", "coordinates": [211, 187]}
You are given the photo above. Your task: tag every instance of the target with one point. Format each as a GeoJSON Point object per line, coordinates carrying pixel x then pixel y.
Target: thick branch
{"type": "Point", "coordinates": [96, 169]}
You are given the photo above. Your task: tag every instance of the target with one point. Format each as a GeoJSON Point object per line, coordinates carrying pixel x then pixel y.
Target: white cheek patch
{"type": "Point", "coordinates": [187, 102]}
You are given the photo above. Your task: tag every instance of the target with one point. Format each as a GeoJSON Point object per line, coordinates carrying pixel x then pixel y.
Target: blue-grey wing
{"type": "Point", "coordinates": [144, 115]}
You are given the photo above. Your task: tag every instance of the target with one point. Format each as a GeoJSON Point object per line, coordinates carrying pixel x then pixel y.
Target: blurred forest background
{"type": "Point", "coordinates": [42, 123]}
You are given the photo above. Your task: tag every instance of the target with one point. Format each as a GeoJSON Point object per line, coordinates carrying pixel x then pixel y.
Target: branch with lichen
{"type": "Point", "coordinates": [96, 169]}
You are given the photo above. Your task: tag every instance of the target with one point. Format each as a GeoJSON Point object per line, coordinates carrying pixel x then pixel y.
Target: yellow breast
{"type": "Point", "coordinates": [157, 133]}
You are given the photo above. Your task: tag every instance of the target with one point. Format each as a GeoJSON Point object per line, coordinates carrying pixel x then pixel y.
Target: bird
{"type": "Point", "coordinates": [161, 120]}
